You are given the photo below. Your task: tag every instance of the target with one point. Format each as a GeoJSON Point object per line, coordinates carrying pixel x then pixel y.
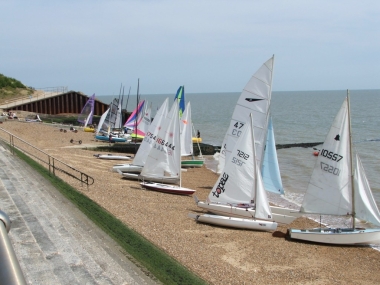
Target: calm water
{"type": "Point", "coordinates": [298, 117]}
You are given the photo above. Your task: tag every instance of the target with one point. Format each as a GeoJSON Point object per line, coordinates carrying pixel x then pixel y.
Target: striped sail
{"type": "Point", "coordinates": [136, 115]}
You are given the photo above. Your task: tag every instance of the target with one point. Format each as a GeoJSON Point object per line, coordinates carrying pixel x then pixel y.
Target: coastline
{"type": "Point", "coordinates": [218, 255]}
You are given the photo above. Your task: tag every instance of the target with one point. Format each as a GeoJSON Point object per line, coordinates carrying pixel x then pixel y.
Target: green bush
{"type": "Point", "coordinates": [10, 82]}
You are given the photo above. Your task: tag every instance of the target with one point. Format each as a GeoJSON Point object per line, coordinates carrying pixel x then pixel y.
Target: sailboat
{"type": "Point", "coordinates": [186, 126]}
{"type": "Point", "coordinates": [255, 98]}
{"type": "Point", "coordinates": [163, 163]}
{"type": "Point", "coordinates": [186, 140]}
{"type": "Point", "coordinates": [240, 182]}
{"type": "Point", "coordinates": [132, 170]}
{"type": "Point", "coordinates": [334, 189]}
{"type": "Point", "coordinates": [136, 116]}
{"type": "Point", "coordinates": [85, 117]}
{"type": "Point", "coordinates": [107, 123]}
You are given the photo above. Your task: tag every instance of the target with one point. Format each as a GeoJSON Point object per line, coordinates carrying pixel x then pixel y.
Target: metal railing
{"type": "Point", "coordinates": [10, 270]}
{"type": "Point", "coordinates": [52, 164]}
{"type": "Point", "coordinates": [47, 92]}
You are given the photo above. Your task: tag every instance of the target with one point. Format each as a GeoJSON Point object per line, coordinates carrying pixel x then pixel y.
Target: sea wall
{"type": "Point", "coordinates": [206, 149]}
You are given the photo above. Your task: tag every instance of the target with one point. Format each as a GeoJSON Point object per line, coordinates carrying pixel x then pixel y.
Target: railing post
{"type": "Point", "coordinates": [11, 143]}
{"type": "Point", "coordinates": [49, 163]}
{"type": "Point", "coordinates": [10, 270]}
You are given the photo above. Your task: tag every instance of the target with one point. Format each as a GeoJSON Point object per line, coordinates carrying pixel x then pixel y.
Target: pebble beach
{"type": "Point", "coordinates": [218, 255]}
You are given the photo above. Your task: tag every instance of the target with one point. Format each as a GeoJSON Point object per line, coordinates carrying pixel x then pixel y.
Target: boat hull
{"type": "Point", "coordinates": [136, 176]}
{"type": "Point", "coordinates": [127, 167]}
{"type": "Point", "coordinates": [171, 189]}
{"type": "Point", "coordinates": [113, 157]}
{"type": "Point", "coordinates": [241, 212]}
{"type": "Point", "coordinates": [239, 223]}
{"type": "Point", "coordinates": [113, 139]}
{"type": "Point", "coordinates": [88, 129]}
{"type": "Point", "coordinates": [192, 163]}
{"type": "Point", "coordinates": [337, 236]}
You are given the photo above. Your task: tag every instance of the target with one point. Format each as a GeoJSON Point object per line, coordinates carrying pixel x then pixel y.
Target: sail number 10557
{"type": "Point", "coordinates": [331, 155]}
{"type": "Point", "coordinates": [330, 169]}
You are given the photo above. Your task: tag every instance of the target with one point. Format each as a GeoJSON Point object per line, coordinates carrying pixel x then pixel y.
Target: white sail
{"type": "Point", "coordinates": [263, 210]}
{"type": "Point", "coordinates": [330, 190]}
{"type": "Point", "coordinates": [153, 130]}
{"type": "Point", "coordinates": [143, 126]}
{"type": "Point", "coordinates": [88, 119]}
{"type": "Point", "coordinates": [365, 205]}
{"type": "Point", "coordinates": [164, 157]}
{"type": "Point", "coordinates": [255, 98]}
{"type": "Point", "coordinates": [101, 125]}
{"type": "Point", "coordinates": [111, 119]}
{"type": "Point", "coordinates": [186, 132]}
{"type": "Point", "coordinates": [241, 181]}
{"type": "Point", "coordinates": [270, 169]}
{"type": "Point", "coordinates": [118, 119]}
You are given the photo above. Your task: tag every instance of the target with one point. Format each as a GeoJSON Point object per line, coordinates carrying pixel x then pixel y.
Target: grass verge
{"type": "Point", "coordinates": [165, 268]}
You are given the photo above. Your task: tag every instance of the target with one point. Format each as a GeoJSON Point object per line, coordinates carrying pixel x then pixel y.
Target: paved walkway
{"type": "Point", "coordinates": [54, 242]}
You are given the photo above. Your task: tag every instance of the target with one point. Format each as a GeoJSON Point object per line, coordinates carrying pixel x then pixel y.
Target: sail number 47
{"type": "Point", "coordinates": [236, 131]}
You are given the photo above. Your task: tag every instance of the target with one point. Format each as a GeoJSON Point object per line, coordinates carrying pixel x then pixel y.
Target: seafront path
{"type": "Point", "coordinates": [54, 242]}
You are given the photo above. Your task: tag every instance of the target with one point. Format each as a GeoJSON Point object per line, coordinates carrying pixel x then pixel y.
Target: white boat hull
{"type": "Point", "coordinates": [232, 222]}
{"type": "Point", "coordinates": [171, 189]}
{"type": "Point", "coordinates": [337, 236]}
{"type": "Point", "coordinates": [136, 176]}
{"type": "Point", "coordinates": [127, 167]}
{"type": "Point", "coordinates": [112, 156]}
{"type": "Point", "coordinates": [241, 212]}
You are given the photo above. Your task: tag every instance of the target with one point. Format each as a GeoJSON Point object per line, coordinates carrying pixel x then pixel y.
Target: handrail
{"type": "Point", "coordinates": [47, 92]}
{"type": "Point", "coordinates": [10, 270]}
{"type": "Point", "coordinates": [51, 161]}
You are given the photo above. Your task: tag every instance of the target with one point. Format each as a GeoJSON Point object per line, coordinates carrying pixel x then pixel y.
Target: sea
{"type": "Point", "coordinates": [298, 117]}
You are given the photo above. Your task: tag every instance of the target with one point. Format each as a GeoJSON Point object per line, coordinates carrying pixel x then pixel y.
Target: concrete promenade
{"type": "Point", "coordinates": [54, 242]}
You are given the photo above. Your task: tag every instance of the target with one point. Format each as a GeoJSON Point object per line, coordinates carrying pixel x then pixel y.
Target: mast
{"type": "Point", "coordinates": [353, 214]}
{"type": "Point", "coordinates": [137, 111]}
{"type": "Point", "coordinates": [179, 151]}
{"type": "Point", "coordinates": [254, 154]}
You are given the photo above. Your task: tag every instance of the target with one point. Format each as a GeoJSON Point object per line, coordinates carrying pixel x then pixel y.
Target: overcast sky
{"type": "Point", "coordinates": [95, 46]}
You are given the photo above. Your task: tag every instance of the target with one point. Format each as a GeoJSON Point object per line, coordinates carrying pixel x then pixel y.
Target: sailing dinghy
{"type": "Point", "coordinates": [85, 117]}
{"type": "Point", "coordinates": [334, 189]}
{"type": "Point", "coordinates": [255, 98]}
{"type": "Point", "coordinates": [240, 183]}
{"type": "Point", "coordinates": [186, 140]}
{"type": "Point", "coordinates": [130, 169]}
{"type": "Point", "coordinates": [186, 127]}
{"type": "Point", "coordinates": [164, 159]}
{"type": "Point", "coordinates": [108, 122]}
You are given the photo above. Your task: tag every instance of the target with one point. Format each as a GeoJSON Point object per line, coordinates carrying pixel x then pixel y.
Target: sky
{"type": "Point", "coordinates": [97, 46]}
